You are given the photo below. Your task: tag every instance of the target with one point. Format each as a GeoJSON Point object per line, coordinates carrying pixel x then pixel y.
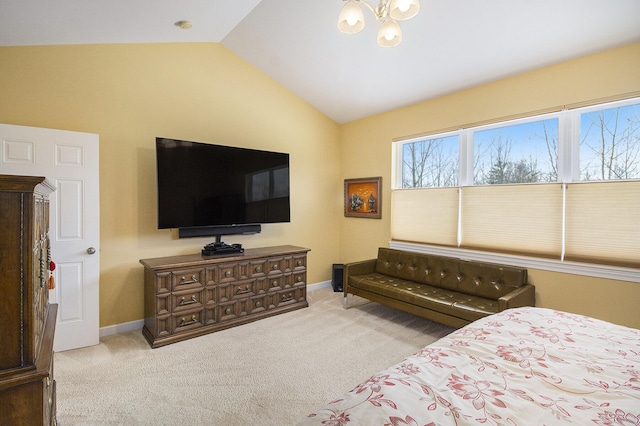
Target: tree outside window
{"type": "Point", "coordinates": [522, 153]}
{"type": "Point", "coordinates": [430, 163]}
{"type": "Point", "coordinates": [610, 144]}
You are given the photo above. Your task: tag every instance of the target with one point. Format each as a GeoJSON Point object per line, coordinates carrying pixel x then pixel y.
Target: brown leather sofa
{"type": "Point", "coordinates": [451, 291]}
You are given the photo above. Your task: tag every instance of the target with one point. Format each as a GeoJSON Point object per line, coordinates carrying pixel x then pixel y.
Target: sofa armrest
{"type": "Point", "coordinates": [523, 296]}
{"type": "Point", "coordinates": [357, 268]}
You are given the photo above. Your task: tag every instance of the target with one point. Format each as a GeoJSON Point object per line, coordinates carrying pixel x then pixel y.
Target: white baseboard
{"type": "Point", "coordinates": [137, 325]}
{"type": "Point", "coordinates": [121, 328]}
{"type": "Point", "coordinates": [321, 284]}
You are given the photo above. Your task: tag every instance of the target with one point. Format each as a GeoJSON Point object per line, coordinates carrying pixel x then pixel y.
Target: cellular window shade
{"type": "Point", "coordinates": [603, 222]}
{"type": "Point", "coordinates": [427, 215]}
{"type": "Point", "coordinates": [525, 219]}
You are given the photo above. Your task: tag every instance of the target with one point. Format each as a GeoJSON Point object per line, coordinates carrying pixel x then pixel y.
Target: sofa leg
{"type": "Point", "coordinates": [346, 300]}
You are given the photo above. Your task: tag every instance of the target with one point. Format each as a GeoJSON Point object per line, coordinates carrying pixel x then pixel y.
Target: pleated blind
{"type": "Point", "coordinates": [603, 222]}
{"type": "Point", "coordinates": [428, 215]}
{"type": "Point", "coordinates": [523, 219]}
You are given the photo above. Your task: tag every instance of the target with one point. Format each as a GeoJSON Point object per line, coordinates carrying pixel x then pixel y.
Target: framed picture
{"type": "Point", "coordinates": [362, 197]}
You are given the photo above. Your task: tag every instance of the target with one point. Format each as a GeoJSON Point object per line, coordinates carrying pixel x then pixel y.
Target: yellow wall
{"type": "Point", "coordinates": [366, 151]}
{"type": "Point", "coordinates": [129, 94]}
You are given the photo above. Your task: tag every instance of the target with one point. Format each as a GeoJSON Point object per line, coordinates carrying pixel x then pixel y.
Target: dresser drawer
{"type": "Point", "coordinates": [186, 300]}
{"type": "Point", "coordinates": [299, 279]}
{"type": "Point", "coordinates": [238, 290]}
{"type": "Point", "coordinates": [276, 265]}
{"type": "Point", "coordinates": [278, 282]}
{"type": "Point", "coordinates": [187, 279]}
{"type": "Point", "coordinates": [299, 262]}
{"type": "Point", "coordinates": [241, 308]}
{"type": "Point", "coordinates": [230, 310]}
{"type": "Point", "coordinates": [243, 289]}
{"type": "Point", "coordinates": [286, 297]}
{"type": "Point", "coordinates": [187, 321]}
{"type": "Point", "coordinates": [257, 268]}
{"type": "Point", "coordinates": [229, 272]}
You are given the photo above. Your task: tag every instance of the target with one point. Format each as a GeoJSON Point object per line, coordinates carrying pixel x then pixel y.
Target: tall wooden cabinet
{"type": "Point", "coordinates": [191, 295]}
{"type": "Point", "coordinates": [27, 388]}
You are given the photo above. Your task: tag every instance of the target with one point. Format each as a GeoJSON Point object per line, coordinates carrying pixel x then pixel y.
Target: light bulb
{"type": "Point", "coordinates": [389, 34]}
{"type": "Point", "coordinates": [403, 9]}
{"type": "Point", "coordinates": [404, 5]}
{"type": "Point", "coordinates": [351, 19]}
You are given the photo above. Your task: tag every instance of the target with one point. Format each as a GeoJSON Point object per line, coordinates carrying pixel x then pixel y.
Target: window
{"type": "Point", "coordinates": [562, 186]}
{"type": "Point", "coordinates": [529, 150]}
{"type": "Point", "coordinates": [519, 153]}
{"type": "Point", "coordinates": [429, 163]}
{"type": "Point", "coordinates": [610, 143]}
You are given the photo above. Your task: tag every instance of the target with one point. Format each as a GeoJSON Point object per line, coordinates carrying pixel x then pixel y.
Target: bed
{"type": "Point", "coordinates": [523, 366]}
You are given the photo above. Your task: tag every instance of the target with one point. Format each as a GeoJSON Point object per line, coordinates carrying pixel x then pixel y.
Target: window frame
{"type": "Point", "coordinates": [568, 142]}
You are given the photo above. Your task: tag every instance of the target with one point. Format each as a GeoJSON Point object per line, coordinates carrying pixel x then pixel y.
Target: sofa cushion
{"type": "Point", "coordinates": [486, 280]}
{"type": "Point", "coordinates": [465, 306]}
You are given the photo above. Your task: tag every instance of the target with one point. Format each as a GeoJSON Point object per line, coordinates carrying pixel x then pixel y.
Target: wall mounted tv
{"type": "Point", "coordinates": [213, 190]}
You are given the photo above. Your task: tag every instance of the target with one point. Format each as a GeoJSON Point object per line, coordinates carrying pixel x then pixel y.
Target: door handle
{"type": "Point", "coordinates": [91, 250]}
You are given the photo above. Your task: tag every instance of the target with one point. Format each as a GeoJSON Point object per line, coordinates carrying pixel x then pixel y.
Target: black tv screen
{"type": "Point", "coordinates": [201, 184]}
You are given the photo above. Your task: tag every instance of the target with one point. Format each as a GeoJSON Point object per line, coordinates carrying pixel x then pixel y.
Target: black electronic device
{"type": "Point", "coordinates": [337, 277]}
{"type": "Point", "coordinates": [219, 248]}
{"type": "Point", "coordinates": [212, 190]}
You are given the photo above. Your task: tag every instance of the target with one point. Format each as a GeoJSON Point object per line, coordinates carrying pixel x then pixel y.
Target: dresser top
{"type": "Point", "coordinates": [189, 260]}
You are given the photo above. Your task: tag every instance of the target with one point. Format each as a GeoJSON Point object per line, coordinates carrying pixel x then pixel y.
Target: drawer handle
{"type": "Point", "coordinates": [227, 311]}
{"type": "Point", "coordinates": [184, 321]}
{"type": "Point", "coordinates": [275, 266]}
{"type": "Point", "coordinates": [287, 298]}
{"type": "Point", "coordinates": [246, 290]}
{"type": "Point", "coordinates": [191, 281]}
{"type": "Point", "coordinates": [299, 262]}
{"type": "Point", "coordinates": [258, 304]}
{"type": "Point", "coordinates": [299, 279]}
{"type": "Point", "coordinates": [184, 301]}
{"type": "Point", "coordinates": [274, 283]}
{"type": "Point", "coordinates": [258, 268]}
{"type": "Point", "coordinates": [228, 273]}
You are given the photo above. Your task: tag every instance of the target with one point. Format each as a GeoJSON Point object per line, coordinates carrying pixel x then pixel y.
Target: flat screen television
{"type": "Point", "coordinates": [216, 190]}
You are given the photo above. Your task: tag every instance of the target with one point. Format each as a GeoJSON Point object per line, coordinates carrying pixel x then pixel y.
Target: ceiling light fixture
{"type": "Point", "coordinates": [388, 12]}
{"type": "Point", "coordinates": [183, 25]}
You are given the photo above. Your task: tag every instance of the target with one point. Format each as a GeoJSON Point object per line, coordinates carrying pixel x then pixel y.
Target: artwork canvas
{"type": "Point", "coordinates": [362, 197]}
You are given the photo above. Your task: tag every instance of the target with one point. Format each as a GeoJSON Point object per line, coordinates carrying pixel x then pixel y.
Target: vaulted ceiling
{"type": "Point", "coordinates": [450, 45]}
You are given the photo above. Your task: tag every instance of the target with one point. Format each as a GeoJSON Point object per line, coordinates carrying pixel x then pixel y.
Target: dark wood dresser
{"type": "Point", "coordinates": [191, 295]}
{"type": "Point", "coordinates": [27, 388]}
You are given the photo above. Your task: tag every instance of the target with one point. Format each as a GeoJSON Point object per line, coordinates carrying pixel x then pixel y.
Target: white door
{"type": "Point", "coordinates": [70, 161]}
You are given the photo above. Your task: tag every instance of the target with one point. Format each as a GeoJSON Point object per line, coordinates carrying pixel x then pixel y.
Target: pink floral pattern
{"type": "Point", "coordinates": [522, 366]}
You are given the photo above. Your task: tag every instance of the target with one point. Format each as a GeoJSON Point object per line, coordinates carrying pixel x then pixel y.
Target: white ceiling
{"type": "Point", "coordinates": [451, 44]}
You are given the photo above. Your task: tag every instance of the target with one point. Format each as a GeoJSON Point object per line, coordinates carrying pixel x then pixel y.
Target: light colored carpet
{"type": "Point", "coordinates": [270, 372]}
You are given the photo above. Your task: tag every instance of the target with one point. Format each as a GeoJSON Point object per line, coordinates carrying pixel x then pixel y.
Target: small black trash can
{"type": "Point", "coordinates": [336, 277]}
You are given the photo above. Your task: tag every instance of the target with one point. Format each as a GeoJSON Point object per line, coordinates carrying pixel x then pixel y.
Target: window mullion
{"type": "Point", "coordinates": [569, 147]}
{"type": "Point", "coordinates": [465, 138]}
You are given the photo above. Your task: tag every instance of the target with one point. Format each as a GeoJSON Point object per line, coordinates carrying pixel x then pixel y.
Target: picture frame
{"type": "Point", "coordinates": [363, 197]}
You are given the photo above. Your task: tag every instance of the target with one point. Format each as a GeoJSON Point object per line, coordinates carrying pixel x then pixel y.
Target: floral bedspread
{"type": "Point", "coordinates": [523, 366]}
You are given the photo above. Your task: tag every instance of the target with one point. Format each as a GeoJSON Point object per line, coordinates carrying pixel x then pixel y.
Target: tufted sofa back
{"type": "Point", "coordinates": [489, 280]}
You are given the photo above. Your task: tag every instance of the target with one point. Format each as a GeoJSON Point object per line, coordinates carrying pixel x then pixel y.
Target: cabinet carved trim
{"type": "Point", "coordinates": [192, 295]}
